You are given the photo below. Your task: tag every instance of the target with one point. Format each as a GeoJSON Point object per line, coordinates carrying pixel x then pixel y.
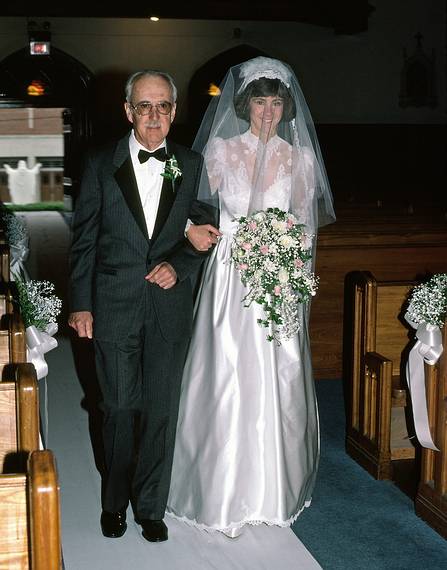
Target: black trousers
{"type": "Point", "coordinates": [140, 379]}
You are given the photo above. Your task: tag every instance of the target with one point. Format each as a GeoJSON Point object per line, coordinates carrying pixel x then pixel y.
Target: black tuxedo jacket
{"type": "Point", "coordinates": [111, 252]}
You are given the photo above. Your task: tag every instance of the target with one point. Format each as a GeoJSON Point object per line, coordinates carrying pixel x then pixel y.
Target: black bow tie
{"type": "Point", "coordinates": [159, 154]}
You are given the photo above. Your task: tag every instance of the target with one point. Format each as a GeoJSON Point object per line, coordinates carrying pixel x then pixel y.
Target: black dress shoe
{"type": "Point", "coordinates": [154, 531]}
{"type": "Point", "coordinates": [113, 525]}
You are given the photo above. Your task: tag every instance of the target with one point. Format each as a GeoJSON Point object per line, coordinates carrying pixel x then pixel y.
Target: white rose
{"type": "Point", "coordinates": [269, 265]}
{"type": "Point", "coordinates": [259, 216]}
{"type": "Point", "coordinates": [280, 227]}
{"type": "Point", "coordinates": [283, 276]}
{"type": "Point", "coordinates": [286, 241]}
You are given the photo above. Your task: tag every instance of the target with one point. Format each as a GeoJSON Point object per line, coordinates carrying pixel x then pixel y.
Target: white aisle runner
{"type": "Point", "coordinates": [84, 547]}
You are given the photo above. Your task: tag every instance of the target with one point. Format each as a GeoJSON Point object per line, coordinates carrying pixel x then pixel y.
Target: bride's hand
{"type": "Point", "coordinates": [203, 237]}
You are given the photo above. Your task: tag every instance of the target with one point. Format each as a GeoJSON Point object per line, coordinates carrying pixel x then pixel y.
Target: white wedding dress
{"type": "Point", "coordinates": [247, 444]}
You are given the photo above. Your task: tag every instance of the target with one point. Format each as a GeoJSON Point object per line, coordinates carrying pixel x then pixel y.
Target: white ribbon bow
{"type": "Point", "coordinates": [37, 344]}
{"type": "Point", "coordinates": [428, 348]}
{"type": "Point", "coordinates": [19, 254]}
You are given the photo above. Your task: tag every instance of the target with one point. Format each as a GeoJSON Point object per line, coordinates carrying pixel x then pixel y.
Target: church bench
{"type": "Point", "coordinates": [375, 339]}
{"type": "Point", "coordinates": [30, 536]}
{"type": "Point", "coordinates": [394, 246]}
{"type": "Point", "coordinates": [12, 340]}
{"type": "Point", "coordinates": [19, 412]}
{"type": "Point", "coordinates": [8, 292]}
{"type": "Point", "coordinates": [4, 262]}
{"type": "Point", "coordinates": [431, 498]}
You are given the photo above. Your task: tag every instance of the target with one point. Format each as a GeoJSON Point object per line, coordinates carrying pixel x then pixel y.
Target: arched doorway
{"type": "Point", "coordinates": [54, 81]}
{"type": "Point", "coordinates": [212, 72]}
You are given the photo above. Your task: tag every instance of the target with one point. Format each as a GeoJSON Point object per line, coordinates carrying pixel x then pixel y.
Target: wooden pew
{"type": "Point", "coordinates": [19, 412]}
{"type": "Point", "coordinates": [4, 262]}
{"type": "Point", "coordinates": [431, 498]}
{"type": "Point", "coordinates": [12, 340]}
{"type": "Point", "coordinates": [8, 291]}
{"type": "Point", "coordinates": [374, 341]}
{"type": "Point", "coordinates": [30, 535]}
{"type": "Point", "coordinates": [392, 245]}
{"type": "Point", "coordinates": [12, 327]}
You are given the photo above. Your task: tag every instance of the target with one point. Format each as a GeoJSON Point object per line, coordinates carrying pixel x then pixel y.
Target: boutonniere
{"type": "Point", "coordinates": [172, 170]}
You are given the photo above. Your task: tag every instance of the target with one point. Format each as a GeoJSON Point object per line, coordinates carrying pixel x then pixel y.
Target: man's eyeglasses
{"type": "Point", "coordinates": [145, 107]}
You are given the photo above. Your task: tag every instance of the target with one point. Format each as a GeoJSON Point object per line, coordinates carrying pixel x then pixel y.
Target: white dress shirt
{"type": "Point", "coordinates": [149, 181]}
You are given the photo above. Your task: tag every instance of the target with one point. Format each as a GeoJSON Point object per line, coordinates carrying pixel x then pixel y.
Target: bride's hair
{"type": "Point", "coordinates": [264, 87]}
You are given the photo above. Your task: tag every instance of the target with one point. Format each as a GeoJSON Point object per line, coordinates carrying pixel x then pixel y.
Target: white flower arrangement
{"type": "Point", "coordinates": [427, 302]}
{"type": "Point", "coordinates": [272, 252]}
{"type": "Point", "coordinates": [39, 306]}
{"type": "Point", "coordinates": [15, 229]}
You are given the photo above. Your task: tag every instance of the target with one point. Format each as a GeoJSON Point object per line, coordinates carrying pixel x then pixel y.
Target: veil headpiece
{"type": "Point", "coordinates": [263, 67]}
{"type": "Point", "coordinates": [286, 163]}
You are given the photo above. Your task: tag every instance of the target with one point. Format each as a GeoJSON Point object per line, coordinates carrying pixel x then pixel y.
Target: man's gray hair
{"type": "Point", "coordinates": [149, 73]}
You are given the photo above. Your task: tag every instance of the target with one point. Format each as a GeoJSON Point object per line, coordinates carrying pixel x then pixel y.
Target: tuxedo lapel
{"type": "Point", "coordinates": [164, 207]}
{"type": "Point", "coordinates": [168, 194]}
{"type": "Point", "coordinates": [127, 182]}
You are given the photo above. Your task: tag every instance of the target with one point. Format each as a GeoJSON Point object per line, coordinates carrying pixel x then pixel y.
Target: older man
{"type": "Point", "coordinates": [131, 293]}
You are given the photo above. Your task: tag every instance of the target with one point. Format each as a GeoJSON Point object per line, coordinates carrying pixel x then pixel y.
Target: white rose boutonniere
{"type": "Point", "coordinates": [172, 170]}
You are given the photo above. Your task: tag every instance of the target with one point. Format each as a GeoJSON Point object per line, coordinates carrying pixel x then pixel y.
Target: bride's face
{"type": "Point", "coordinates": [265, 114]}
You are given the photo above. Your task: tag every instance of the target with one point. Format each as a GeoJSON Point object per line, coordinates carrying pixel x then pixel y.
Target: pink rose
{"type": "Point", "coordinates": [246, 246]}
{"type": "Point", "coordinates": [277, 290]}
{"type": "Point", "coordinates": [290, 223]}
{"type": "Point", "coordinates": [264, 249]}
{"type": "Point", "coordinates": [243, 266]}
{"type": "Point", "coordinates": [252, 225]}
{"type": "Point", "coordinates": [298, 262]}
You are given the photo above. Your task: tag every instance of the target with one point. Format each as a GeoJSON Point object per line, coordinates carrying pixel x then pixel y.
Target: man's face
{"type": "Point", "coordinates": [151, 130]}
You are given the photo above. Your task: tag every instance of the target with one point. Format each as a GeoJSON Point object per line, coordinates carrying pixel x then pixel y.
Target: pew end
{"type": "Point", "coordinates": [375, 342]}
{"type": "Point", "coordinates": [431, 498]}
{"type": "Point", "coordinates": [30, 516]}
{"type": "Point", "coordinates": [19, 415]}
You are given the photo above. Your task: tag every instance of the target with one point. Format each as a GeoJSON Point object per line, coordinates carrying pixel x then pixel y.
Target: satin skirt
{"type": "Point", "coordinates": [247, 443]}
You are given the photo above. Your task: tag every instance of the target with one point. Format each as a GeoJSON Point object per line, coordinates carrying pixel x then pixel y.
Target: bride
{"type": "Point", "coordinates": [247, 443]}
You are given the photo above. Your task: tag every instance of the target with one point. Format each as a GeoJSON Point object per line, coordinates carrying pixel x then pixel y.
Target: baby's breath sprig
{"type": "Point", "coordinates": [427, 302]}
{"type": "Point", "coordinates": [15, 228]}
{"type": "Point", "coordinates": [39, 306]}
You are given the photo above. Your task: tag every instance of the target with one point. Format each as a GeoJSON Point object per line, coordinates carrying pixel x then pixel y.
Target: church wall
{"type": "Point", "coordinates": [346, 79]}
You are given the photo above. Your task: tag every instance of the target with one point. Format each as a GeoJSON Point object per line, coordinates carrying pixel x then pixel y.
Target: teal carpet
{"type": "Point", "coordinates": [354, 521]}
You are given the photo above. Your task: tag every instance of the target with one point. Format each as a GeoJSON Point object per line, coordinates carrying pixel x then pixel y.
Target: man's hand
{"type": "Point", "coordinates": [163, 275]}
{"type": "Point", "coordinates": [203, 237]}
{"type": "Point", "coordinates": [82, 322]}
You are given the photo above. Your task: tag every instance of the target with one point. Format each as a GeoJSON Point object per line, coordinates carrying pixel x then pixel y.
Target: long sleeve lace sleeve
{"type": "Point", "coordinates": [215, 158]}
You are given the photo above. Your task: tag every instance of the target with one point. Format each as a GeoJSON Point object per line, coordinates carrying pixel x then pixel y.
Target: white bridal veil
{"type": "Point", "coordinates": [271, 158]}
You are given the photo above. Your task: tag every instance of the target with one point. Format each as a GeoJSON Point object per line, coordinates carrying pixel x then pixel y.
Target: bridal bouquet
{"type": "Point", "coordinates": [39, 306]}
{"type": "Point", "coordinates": [427, 302]}
{"type": "Point", "coordinates": [271, 251]}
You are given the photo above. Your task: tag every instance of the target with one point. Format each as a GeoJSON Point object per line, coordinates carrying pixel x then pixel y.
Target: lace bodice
{"type": "Point", "coordinates": [234, 171]}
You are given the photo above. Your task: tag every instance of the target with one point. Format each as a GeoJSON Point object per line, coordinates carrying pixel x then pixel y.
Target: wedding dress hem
{"type": "Point", "coordinates": [239, 525]}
